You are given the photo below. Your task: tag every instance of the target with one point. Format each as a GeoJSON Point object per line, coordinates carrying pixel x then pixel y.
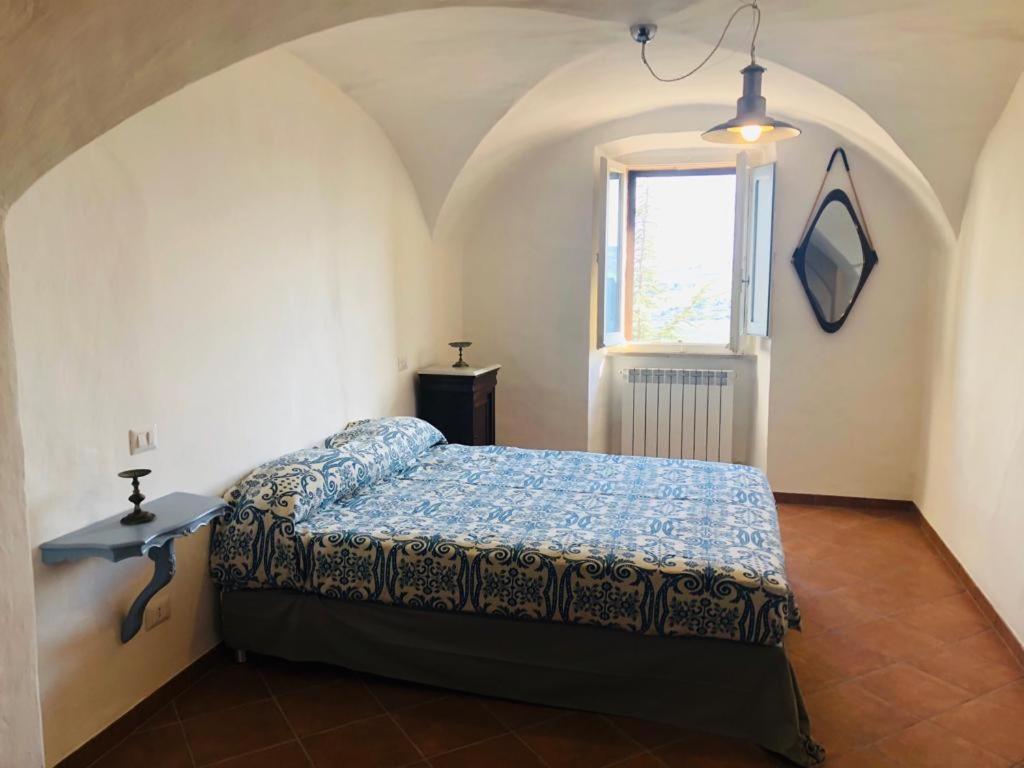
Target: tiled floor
{"type": "Point", "coordinates": [896, 663]}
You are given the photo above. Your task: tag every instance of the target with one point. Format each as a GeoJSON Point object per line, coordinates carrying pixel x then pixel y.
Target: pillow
{"type": "Point", "coordinates": [299, 484]}
{"type": "Point", "coordinates": [405, 435]}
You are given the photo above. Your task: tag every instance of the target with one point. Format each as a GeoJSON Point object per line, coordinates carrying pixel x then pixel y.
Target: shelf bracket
{"type": "Point", "coordinates": [163, 557]}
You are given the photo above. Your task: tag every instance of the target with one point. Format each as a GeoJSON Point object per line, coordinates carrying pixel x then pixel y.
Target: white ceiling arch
{"type": "Point", "coordinates": [462, 90]}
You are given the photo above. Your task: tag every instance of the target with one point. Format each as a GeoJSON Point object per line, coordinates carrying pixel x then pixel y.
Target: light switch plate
{"type": "Point", "coordinates": [403, 363]}
{"type": "Point", "coordinates": [141, 440]}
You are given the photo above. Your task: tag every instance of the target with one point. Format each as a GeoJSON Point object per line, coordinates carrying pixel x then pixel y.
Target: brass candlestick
{"type": "Point", "coordinates": [460, 345]}
{"type": "Point", "coordinates": [138, 515]}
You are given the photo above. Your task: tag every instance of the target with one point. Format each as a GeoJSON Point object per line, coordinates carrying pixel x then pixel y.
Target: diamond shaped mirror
{"type": "Point", "coordinates": [834, 260]}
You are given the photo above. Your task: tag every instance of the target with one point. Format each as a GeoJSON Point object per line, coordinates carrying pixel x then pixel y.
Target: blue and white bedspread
{"type": "Point", "coordinates": [387, 512]}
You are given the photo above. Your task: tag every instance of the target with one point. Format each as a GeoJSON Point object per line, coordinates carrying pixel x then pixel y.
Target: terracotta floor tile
{"type": "Point", "coordinates": [578, 740]}
{"type": "Point", "coordinates": [646, 760]}
{"type": "Point", "coordinates": [323, 707]}
{"type": "Point", "coordinates": [864, 568]}
{"type": "Point", "coordinates": [1011, 697]}
{"type": "Point", "coordinates": [833, 610]}
{"type": "Point", "coordinates": [519, 714]}
{"type": "Point", "coordinates": [969, 670]}
{"type": "Point", "coordinates": [995, 728]}
{"type": "Point", "coordinates": [882, 598]}
{"type": "Point", "coordinates": [987, 645]}
{"type": "Point", "coordinates": [225, 687]}
{"type": "Point", "coordinates": [812, 579]}
{"type": "Point", "coordinates": [883, 539]}
{"type": "Point", "coordinates": [705, 750]}
{"type": "Point", "coordinates": [646, 733]}
{"type": "Point", "coordinates": [834, 534]}
{"type": "Point", "coordinates": [398, 694]}
{"type": "Point", "coordinates": [812, 675]}
{"type": "Point", "coordinates": [447, 724]}
{"type": "Point", "coordinates": [917, 693]}
{"type": "Point", "coordinates": [934, 571]}
{"type": "Point", "coordinates": [848, 717]}
{"type": "Point", "coordinates": [230, 732]}
{"type": "Point", "coordinates": [289, 755]}
{"type": "Point", "coordinates": [162, 747]}
{"type": "Point", "coordinates": [163, 716]}
{"type": "Point", "coordinates": [285, 677]}
{"type": "Point", "coordinates": [806, 549]}
{"type": "Point", "coordinates": [374, 743]}
{"type": "Point", "coordinates": [925, 587]}
{"type": "Point", "coordinates": [948, 618]}
{"type": "Point", "coordinates": [502, 752]}
{"type": "Point", "coordinates": [891, 639]}
{"type": "Point", "coordinates": [841, 518]}
{"type": "Point", "coordinates": [928, 746]}
{"type": "Point", "coordinates": [871, 757]}
{"type": "Point", "coordinates": [835, 658]}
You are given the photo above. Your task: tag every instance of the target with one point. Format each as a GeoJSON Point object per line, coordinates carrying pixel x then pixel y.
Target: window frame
{"type": "Point", "coordinates": [607, 167]}
{"type": "Point", "coordinates": [735, 312]}
{"type": "Point", "coordinates": [757, 318]}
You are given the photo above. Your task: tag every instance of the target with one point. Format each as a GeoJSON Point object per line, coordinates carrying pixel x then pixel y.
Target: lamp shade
{"type": "Point", "coordinates": [752, 125]}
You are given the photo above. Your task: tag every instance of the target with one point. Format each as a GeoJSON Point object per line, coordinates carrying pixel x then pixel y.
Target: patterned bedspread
{"type": "Point", "coordinates": [655, 546]}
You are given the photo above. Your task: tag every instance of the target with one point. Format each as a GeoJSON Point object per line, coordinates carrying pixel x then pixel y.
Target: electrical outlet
{"type": "Point", "coordinates": [158, 611]}
{"type": "Point", "coordinates": [403, 363]}
{"type": "Point", "coordinates": [140, 440]}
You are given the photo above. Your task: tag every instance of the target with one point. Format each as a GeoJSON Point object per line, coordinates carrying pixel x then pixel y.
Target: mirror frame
{"type": "Point", "coordinates": [800, 260]}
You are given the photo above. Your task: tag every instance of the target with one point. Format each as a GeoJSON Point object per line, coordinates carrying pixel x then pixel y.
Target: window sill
{"type": "Point", "coordinates": [671, 350]}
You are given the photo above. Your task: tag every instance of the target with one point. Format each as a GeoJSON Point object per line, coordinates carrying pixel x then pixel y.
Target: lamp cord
{"type": "Point", "coordinates": [753, 45]}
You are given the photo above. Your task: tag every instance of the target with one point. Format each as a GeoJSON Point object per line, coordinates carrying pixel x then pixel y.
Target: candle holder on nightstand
{"type": "Point", "coordinates": [138, 515]}
{"type": "Point", "coordinates": [460, 345]}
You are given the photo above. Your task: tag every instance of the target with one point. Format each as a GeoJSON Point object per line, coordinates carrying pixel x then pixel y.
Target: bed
{"type": "Point", "coordinates": [648, 587]}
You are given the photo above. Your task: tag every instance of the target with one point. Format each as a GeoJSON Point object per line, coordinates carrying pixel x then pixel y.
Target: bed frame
{"type": "Point", "coordinates": [730, 688]}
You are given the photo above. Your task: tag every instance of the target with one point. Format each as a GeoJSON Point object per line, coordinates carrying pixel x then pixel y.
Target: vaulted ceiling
{"type": "Point", "coordinates": [456, 89]}
{"type": "Point", "coordinates": [459, 86]}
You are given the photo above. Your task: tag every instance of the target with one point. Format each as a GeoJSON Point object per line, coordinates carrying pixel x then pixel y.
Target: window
{"type": "Point", "coordinates": [680, 230]}
{"type": "Point", "coordinates": [672, 271]}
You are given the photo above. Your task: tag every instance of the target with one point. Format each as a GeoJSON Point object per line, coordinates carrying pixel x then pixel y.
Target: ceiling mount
{"type": "Point", "coordinates": [752, 124]}
{"type": "Point", "coordinates": [643, 33]}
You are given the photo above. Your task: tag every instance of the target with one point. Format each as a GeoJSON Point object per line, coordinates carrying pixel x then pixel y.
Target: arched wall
{"type": "Point", "coordinates": [243, 265]}
{"type": "Point", "coordinates": [20, 723]}
{"type": "Point", "coordinates": [973, 452]}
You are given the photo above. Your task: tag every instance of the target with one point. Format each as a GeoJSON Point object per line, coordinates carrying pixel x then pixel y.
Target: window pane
{"type": "Point", "coordinates": [613, 256]}
{"type": "Point", "coordinates": [683, 257]}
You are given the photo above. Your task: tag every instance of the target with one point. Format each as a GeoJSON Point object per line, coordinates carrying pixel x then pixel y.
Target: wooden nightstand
{"type": "Point", "coordinates": [459, 402]}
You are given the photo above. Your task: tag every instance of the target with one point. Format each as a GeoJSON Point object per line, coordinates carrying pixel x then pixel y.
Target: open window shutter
{"type": "Point", "coordinates": [611, 254]}
{"type": "Point", "coordinates": [759, 221]}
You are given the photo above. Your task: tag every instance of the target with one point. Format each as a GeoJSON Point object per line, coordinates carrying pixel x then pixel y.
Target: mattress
{"type": "Point", "coordinates": [652, 546]}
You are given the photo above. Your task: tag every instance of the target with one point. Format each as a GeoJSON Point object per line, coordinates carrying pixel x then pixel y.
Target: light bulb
{"type": "Point", "coordinates": [751, 132]}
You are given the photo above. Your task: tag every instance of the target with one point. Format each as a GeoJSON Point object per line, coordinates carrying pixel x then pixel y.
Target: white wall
{"type": "Point", "coordinates": [20, 727]}
{"type": "Point", "coordinates": [241, 265]}
{"type": "Point", "coordinates": [845, 409]}
{"type": "Point", "coordinates": [974, 479]}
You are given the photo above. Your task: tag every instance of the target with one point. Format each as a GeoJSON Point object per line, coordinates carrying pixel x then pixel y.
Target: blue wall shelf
{"type": "Point", "coordinates": [177, 514]}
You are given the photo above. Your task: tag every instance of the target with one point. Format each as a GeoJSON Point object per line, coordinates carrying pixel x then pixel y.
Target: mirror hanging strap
{"type": "Point", "coordinates": [838, 151]}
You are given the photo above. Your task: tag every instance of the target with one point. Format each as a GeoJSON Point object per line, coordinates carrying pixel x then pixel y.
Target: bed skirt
{"type": "Point", "coordinates": [734, 689]}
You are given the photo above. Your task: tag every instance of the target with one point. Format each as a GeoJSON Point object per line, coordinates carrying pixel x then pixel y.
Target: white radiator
{"type": "Point", "coordinates": [677, 413]}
